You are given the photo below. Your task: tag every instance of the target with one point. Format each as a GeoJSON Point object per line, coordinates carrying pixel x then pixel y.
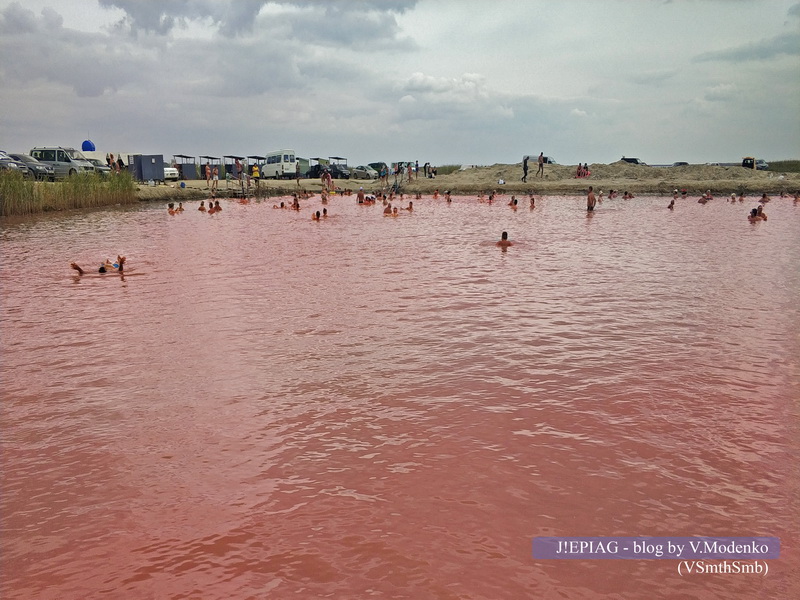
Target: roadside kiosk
{"type": "Point", "coordinates": [230, 165]}
{"type": "Point", "coordinates": [212, 161]}
{"type": "Point", "coordinates": [186, 165]}
{"type": "Point", "coordinates": [255, 159]}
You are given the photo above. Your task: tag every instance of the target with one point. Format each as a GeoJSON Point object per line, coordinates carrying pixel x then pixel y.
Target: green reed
{"type": "Point", "coordinates": [19, 196]}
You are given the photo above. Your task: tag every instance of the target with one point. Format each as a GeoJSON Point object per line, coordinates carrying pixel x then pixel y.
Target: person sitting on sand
{"type": "Point", "coordinates": [202, 207]}
{"type": "Point", "coordinates": [105, 267]}
{"type": "Point", "coordinates": [504, 242]}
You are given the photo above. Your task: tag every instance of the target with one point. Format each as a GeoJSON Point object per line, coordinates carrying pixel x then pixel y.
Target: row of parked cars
{"type": "Point", "coordinates": [340, 171]}
{"type": "Point", "coordinates": [51, 163]}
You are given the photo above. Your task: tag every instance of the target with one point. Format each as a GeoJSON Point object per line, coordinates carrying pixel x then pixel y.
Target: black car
{"type": "Point", "coordinates": [10, 164]}
{"type": "Point", "coordinates": [633, 161]}
{"type": "Point", "coordinates": [316, 171]}
{"type": "Point", "coordinates": [339, 171]}
{"type": "Point", "coordinates": [38, 170]}
{"type": "Point", "coordinates": [336, 171]}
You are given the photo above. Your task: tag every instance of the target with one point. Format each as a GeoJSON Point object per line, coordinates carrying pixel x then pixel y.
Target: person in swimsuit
{"type": "Point", "coordinates": [105, 267]}
{"type": "Point", "coordinates": [541, 165]}
{"type": "Point", "coordinates": [591, 201]}
{"type": "Point", "coordinates": [504, 242]}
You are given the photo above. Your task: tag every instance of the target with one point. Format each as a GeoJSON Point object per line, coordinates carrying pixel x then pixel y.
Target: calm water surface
{"type": "Point", "coordinates": [269, 407]}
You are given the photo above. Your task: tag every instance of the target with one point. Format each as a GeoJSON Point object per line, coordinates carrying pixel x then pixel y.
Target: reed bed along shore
{"type": "Point", "coordinates": [20, 196]}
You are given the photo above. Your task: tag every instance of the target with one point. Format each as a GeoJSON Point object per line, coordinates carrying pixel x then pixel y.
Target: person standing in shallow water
{"type": "Point", "coordinates": [591, 201]}
{"type": "Point", "coordinates": [504, 242]}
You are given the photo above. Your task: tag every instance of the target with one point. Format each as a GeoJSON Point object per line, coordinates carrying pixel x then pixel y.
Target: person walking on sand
{"type": "Point", "coordinates": [214, 179]}
{"type": "Point", "coordinates": [591, 201]}
{"type": "Point", "coordinates": [524, 168]}
{"type": "Point", "coordinates": [541, 164]}
{"type": "Point", "coordinates": [208, 175]}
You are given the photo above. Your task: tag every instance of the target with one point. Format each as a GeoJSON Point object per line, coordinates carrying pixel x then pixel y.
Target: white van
{"type": "Point", "coordinates": [279, 164]}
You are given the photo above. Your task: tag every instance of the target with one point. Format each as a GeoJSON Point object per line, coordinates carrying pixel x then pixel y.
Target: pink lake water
{"type": "Point", "coordinates": [371, 407]}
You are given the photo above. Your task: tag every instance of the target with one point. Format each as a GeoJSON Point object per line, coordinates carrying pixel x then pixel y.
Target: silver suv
{"type": "Point", "coordinates": [65, 161]}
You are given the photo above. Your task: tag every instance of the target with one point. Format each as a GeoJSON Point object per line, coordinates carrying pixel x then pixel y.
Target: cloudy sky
{"type": "Point", "coordinates": [445, 81]}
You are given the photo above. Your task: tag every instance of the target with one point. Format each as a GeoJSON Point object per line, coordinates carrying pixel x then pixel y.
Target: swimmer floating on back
{"type": "Point", "coordinates": [105, 267]}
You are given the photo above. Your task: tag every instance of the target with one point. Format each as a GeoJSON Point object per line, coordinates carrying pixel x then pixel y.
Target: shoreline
{"type": "Point", "coordinates": [558, 180]}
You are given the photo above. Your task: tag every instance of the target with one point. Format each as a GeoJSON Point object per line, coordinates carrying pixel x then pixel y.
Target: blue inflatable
{"type": "Point", "coordinates": [88, 146]}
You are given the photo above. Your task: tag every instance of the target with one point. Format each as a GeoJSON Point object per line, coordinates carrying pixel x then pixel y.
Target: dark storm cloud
{"type": "Point", "coordinates": [162, 17]}
{"type": "Point", "coordinates": [319, 21]}
{"type": "Point", "coordinates": [40, 48]}
{"type": "Point", "coordinates": [785, 44]}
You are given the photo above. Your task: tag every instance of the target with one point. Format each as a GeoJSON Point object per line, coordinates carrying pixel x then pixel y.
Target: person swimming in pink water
{"type": "Point", "coordinates": [106, 267]}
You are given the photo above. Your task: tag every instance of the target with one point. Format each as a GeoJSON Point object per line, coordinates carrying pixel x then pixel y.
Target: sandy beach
{"type": "Point", "coordinates": [558, 179]}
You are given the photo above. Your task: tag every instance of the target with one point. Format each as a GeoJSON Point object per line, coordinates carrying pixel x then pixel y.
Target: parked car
{"type": "Point", "coordinates": [363, 172]}
{"type": "Point", "coordinates": [171, 173]}
{"type": "Point", "coordinates": [633, 161]}
{"type": "Point", "coordinates": [680, 164]}
{"type": "Point", "coordinates": [549, 160]}
{"type": "Point", "coordinates": [339, 171]}
{"type": "Point", "coordinates": [65, 161]}
{"type": "Point", "coordinates": [748, 162]}
{"type": "Point", "coordinates": [316, 171]}
{"type": "Point", "coordinates": [14, 166]}
{"type": "Point", "coordinates": [100, 167]}
{"type": "Point", "coordinates": [37, 170]}
{"type": "Point", "coordinates": [378, 166]}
